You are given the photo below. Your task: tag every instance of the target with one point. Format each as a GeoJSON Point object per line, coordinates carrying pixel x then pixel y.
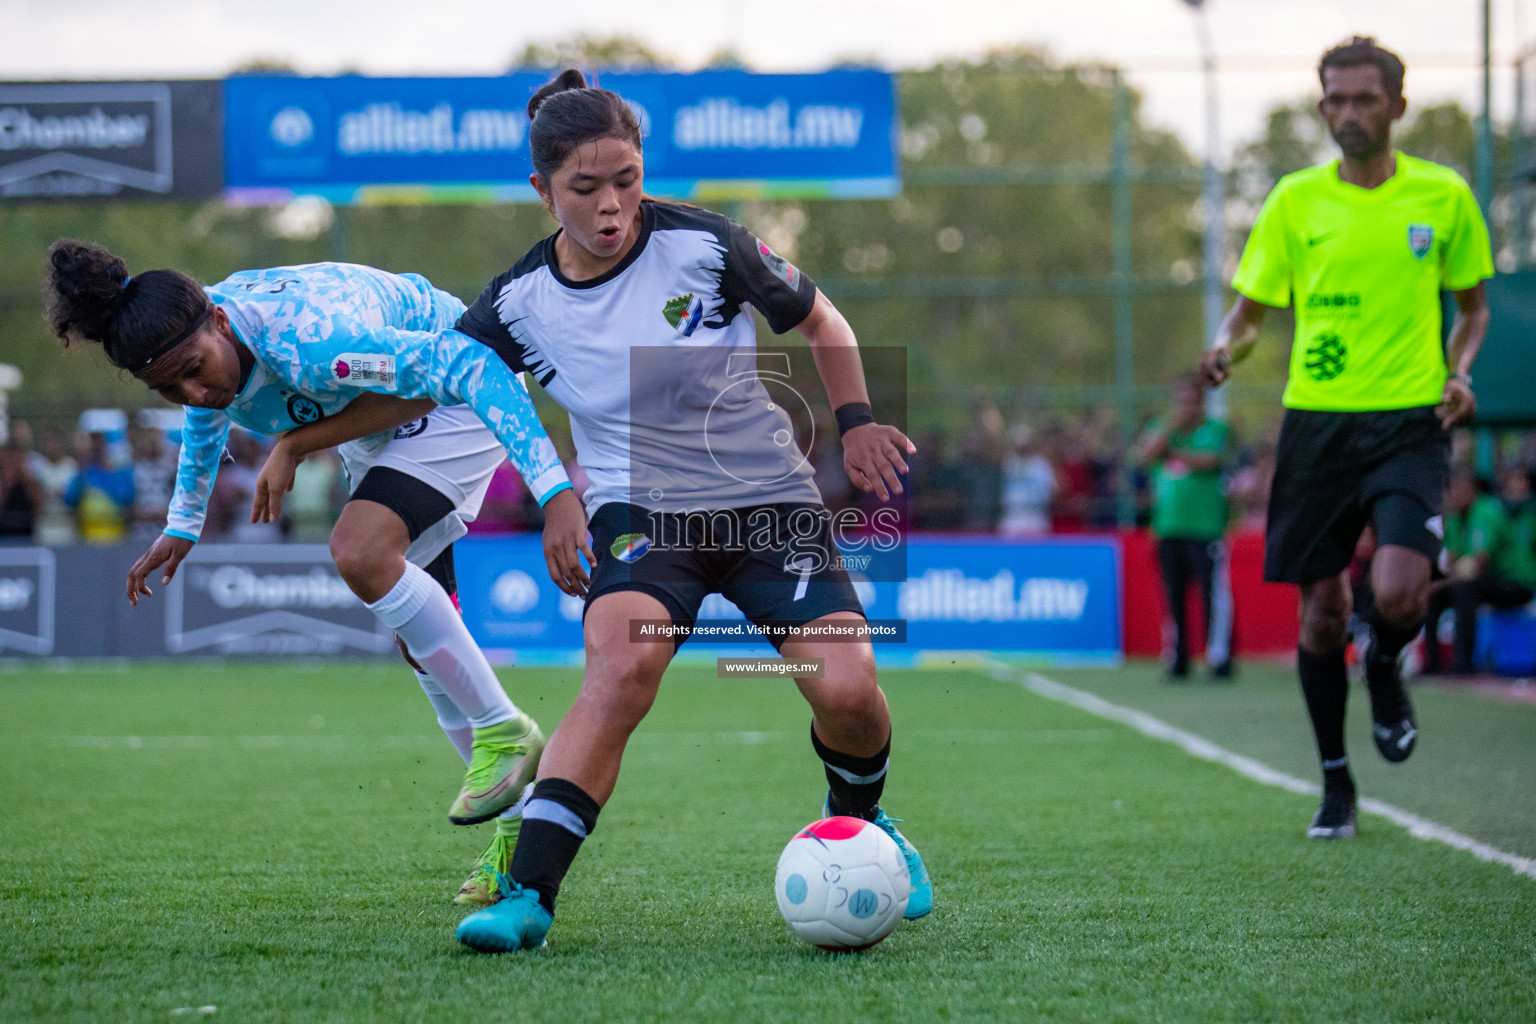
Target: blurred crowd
{"type": "Point", "coordinates": [112, 477]}
{"type": "Point", "coordinates": [1058, 474]}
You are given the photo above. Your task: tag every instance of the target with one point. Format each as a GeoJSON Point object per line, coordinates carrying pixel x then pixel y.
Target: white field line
{"type": "Point", "coordinates": [1199, 746]}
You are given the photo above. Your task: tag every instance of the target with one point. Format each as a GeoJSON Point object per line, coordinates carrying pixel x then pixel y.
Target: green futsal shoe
{"type": "Point", "coordinates": [502, 761]}
{"type": "Point", "coordinates": [479, 889]}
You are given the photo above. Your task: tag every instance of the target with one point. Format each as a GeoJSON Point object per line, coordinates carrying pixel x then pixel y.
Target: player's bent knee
{"type": "Point", "coordinates": [623, 684]}
{"type": "Point", "coordinates": [1324, 625]}
{"type": "Point", "coordinates": [1402, 606]}
{"type": "Point", "coordinates": [848, 690]}
{"type": "Point", "coordinates": [353, 558]}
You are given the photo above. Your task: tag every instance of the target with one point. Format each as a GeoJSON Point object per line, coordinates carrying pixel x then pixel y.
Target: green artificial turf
{"type": "Point", "coordinates": [272, 841]}
{"type": "Point", "coordinates": [1473, 769]}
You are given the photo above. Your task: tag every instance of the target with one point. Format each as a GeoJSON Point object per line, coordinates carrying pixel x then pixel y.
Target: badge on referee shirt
{"type": "Point", "coordinates": [1421, 239]}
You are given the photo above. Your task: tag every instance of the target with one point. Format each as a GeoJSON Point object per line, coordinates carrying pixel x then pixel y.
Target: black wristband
{"type": "Point", "coordinates": [853, 414]}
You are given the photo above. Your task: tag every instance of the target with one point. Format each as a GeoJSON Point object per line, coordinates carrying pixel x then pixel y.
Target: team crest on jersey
{"type": "Point", "coordinates": [410, 429]}
{"type": "Point", "coordinates": [631, 547]}
{"type": "Point", "coordinates": [684, 313]}
{"type": "Point", "coordinates": [1421, 239]}
{"type": "Point", "coordinates": [365, 367]}
{"type": "Point", "coordinates": [782, 269]}
{"type": "Point", "coordinates": [302, 409]}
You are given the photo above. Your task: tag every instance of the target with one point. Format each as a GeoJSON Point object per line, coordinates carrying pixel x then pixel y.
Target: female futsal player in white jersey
{"type": "Point", "coordinates": [630, 316]}
{"type": "Point", "coordinates": [275, 349]}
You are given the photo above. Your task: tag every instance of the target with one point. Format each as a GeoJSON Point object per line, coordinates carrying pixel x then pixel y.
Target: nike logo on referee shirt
{"type": "Point", "coordinates": [1319, 239]}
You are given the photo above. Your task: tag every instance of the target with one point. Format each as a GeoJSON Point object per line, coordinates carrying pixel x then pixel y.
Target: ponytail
{"type": "Point", "coordinates": [566, 113]}
{"type": "Point", "coordinates": [135, 320]}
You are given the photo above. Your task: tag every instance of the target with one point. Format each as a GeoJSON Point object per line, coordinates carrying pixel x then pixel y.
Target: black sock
{"type": "Point", "coordinates": [1325, 686]}
{"type": "Point", "coordinates": [1388, 640]}
{"type": "Point", "coordinates": [856, 782]}
{"type": "Point", "coordinates": [1381, 675]}
{"type": "Point", "coordinates": [557, 817]}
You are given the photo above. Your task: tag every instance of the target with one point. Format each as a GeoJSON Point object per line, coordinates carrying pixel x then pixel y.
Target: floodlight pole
{"type": "Point", "coordinates": [1124, 316]}
{"type": "Point", "coordinates": [1213, 198]}
{"type": "Point", "coordinates": [1484, 120]}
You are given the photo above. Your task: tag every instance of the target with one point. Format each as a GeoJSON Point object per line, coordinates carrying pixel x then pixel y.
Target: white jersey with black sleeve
{"type": "Point", "coordinates": [656, 362]}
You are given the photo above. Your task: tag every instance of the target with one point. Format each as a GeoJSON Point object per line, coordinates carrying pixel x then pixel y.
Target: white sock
{"type": "Point", "coordinates": [422, 614]}
{"type": "Point", "coordinates": [460, 733]}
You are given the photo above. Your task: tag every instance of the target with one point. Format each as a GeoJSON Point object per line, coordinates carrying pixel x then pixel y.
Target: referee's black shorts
{"type": "Point", "coordinates": [1337, 471]}
{"type": "Point", "coordinates": [768, 569]}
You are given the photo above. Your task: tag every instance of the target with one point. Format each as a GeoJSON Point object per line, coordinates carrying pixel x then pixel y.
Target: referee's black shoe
{"type": "Point", "coordinates": [1393, 726]}
{"type": "Point", "coordinates": [1335, 819]}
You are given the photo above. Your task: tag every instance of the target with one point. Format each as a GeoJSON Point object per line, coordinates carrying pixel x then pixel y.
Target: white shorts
{"type": "Point", "coordinates": [451, 451]}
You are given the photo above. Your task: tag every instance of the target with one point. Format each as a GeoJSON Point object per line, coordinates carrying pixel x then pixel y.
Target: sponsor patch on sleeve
{"type": "Point", "coordinates": [780, 267]}
{"type": "Point", "coordinates": [360, 368]}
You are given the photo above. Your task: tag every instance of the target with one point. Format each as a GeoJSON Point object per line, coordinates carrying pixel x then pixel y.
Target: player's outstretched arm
{"type": "Point", "coordinates": [448, 367]}
{"type": "Point", "coordinates": [366, 414]}
{"type": "Point", "coordinates": [203, 434]}
{"type": "Point", "coordinates": [1458, 404]}
{"type": "Point", "coordinates": [167, 551]}
{"type": "Point", "coordinates": [1235, 338]}
{"type": "Point", "coordinates": [565, 540]}
{"type": "Point", "coordinates": [874, 454]}
{"type": "Point", "coordinates": [451, 368]}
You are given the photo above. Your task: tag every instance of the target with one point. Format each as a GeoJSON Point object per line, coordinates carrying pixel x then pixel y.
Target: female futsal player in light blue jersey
{"type": "Point", "coordinates": [356, 353]}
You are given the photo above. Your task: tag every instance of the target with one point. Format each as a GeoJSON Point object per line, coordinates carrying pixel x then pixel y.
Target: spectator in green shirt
{"type": "Point", "coordinates": [1183, 451]}
{"type": "Point", "coordinates": [1491, 545]}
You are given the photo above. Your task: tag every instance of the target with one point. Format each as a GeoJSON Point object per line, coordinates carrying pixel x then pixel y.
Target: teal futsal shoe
{"type": "Point", "coordinates": [517, 921]}
{"type": "Point", "coordinates": [920, 902]}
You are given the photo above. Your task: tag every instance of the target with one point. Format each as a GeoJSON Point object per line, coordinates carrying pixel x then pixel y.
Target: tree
{"type": "Point", "coordinates": [615, 53]}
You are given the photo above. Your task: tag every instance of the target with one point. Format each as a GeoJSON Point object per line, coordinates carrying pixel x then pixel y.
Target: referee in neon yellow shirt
{"type": "Point", "coordinates": [1362, 248]}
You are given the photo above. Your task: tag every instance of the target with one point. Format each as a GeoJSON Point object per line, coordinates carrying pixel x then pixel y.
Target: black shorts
{"type": "Point", "coordinates": [1337, 471]}
{"type": "Point", "coordinates": [419, 505]}
{"type": "Point", "coordinates": [763, 559]}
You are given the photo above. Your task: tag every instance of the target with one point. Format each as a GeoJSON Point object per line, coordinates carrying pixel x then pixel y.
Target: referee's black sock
{"type": "Point", "coordinates": [1388, 640]}
{"type": "Point", "coordinates": [558, 816]}
{"type": "Point", "coordinates": [856, 782]}
{"type": "Point", "coordinates": [1325, 686]}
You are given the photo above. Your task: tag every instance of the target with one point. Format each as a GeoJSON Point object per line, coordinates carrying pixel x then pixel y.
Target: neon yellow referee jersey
{"type": "Point", "coordinates": [1364, 268]}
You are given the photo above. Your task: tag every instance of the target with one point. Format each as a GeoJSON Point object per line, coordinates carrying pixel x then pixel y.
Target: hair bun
{"type": "Point", "coordinates": [86, 282]}
{"type": "Point", "coordinates": [568, 79]}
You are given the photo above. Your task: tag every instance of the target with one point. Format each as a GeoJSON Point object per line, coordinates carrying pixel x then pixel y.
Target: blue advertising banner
{"type": "Point", "coordinates": [709, 134]}
{"type": "Point", "coordinates": [1056, 601]}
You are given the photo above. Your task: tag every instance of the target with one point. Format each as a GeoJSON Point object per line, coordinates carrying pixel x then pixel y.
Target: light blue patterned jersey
{"type": "Point", "coordinates": [324, 333]}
